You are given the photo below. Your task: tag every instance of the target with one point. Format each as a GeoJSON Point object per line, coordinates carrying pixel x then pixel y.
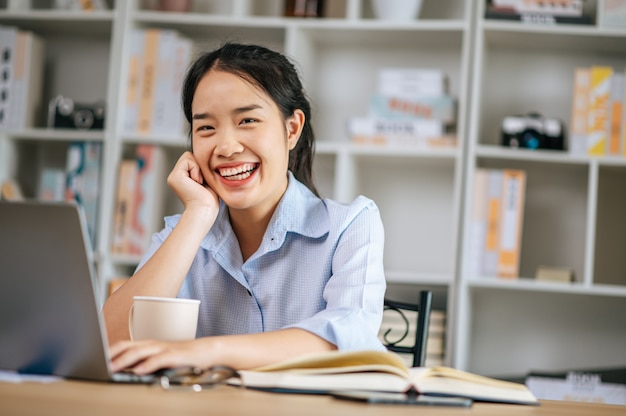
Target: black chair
{"type": "Point", "coordinates": [418, 349]}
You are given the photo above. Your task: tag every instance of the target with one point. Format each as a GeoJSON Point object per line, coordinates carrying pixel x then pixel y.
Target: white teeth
{"type": "Point", "coordinates": [238, 173]}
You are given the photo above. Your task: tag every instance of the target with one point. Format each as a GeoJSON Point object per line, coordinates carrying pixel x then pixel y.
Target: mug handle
{"type": "Point", "coordinates": [130, 321]}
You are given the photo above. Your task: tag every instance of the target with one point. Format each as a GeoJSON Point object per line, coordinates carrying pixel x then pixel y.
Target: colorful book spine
{"type": "Point", "coordinates": [135, 81]}
{"type": "Point", "coordinates": [513, 191]}
{"type": "Point", "coordinates": [82, 175]}
{"type": "Point", "coordinates": [494, 218]}
{"type": "Point", "coordinates": [125, 207]}
{"type": "Point", "coordinates": [478, 230]}
{"type": "Point", "coordinates": [580, 111]}
{"type": "Point", "coordinates": [597, 126]}
{"type": "Point", "coordinates": [148, 196]}
{"type": "Point", "coordinates": [440, 107]}
{"type": "Point", "coordinates": [149, 73]}
{"type": "Point", "coordinates": [616, 115]}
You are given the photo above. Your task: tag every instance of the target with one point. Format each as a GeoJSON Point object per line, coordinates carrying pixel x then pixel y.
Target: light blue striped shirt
{"type": "Point", "coordinates": [319, 268]}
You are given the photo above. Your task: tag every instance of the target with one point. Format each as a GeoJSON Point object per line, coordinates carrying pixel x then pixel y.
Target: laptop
{"type": "Point", "coordinates": [50, 320]}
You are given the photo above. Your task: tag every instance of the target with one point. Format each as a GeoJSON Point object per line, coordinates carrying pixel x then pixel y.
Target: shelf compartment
{"type": "Point", "coordinates": [555, 214]}
{"type": "Point", "coordinates": [416, 202]}
{"type": "Point", "coordinates": [610, 258]}
{"type": "Point", "coordinates": [514, 332]}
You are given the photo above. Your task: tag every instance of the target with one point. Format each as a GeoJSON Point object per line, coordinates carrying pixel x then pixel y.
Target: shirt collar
{"type": "Point", "coordinates": [288, 217]}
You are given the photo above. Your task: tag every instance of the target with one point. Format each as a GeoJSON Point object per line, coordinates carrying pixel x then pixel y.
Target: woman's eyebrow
{"type": "Point", "coordinates": [238, 110]}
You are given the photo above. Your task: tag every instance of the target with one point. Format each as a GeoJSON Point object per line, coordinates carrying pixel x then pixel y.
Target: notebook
{"type": "Point", "coordinates": [50, 319]}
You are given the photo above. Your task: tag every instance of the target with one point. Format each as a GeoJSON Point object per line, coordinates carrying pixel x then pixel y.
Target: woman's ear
{"type": "Point", "coordinates": [294, 125]}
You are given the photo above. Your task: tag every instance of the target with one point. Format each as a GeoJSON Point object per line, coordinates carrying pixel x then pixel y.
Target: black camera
{"type": "Point", "coordinates": [64, 113]}
{"type": "Point", "coordinates": [533, 131]}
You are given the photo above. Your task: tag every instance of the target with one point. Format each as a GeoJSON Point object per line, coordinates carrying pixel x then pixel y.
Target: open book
{"type": "Point", "coordinates": [378, 371]}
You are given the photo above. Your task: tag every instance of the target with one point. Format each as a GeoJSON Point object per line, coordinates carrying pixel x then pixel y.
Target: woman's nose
{"type": "Point", "coordinates": [227, 144]}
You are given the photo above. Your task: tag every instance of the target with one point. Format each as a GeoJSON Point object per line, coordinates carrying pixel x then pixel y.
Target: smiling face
{"type": "Point", "coordinates": [242, 141]}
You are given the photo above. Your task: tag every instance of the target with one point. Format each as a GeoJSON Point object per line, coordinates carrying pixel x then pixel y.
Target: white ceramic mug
{"type": "Point", "coordinates": [164, 319]}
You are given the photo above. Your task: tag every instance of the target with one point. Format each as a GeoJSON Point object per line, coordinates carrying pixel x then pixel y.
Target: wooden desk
{"type": "Point", "coordinates": [90, 398]}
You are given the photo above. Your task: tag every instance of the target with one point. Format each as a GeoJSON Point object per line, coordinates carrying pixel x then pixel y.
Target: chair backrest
{"type": "Point", "coordinates": [398, 342]}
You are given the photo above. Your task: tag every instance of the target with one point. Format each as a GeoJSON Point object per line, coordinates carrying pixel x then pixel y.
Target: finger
{"type": "Point", "coordinates": [134, 355]}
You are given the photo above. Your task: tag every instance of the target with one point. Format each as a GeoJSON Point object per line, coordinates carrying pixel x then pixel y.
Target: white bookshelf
{"type": "Point", "coordinates": [494, 327]}
{"type": "Point", "coordinates": [572, 211]}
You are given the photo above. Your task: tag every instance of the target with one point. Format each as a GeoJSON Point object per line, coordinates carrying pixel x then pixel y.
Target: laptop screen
{"type": "Point", "coordinates": [49, 315]}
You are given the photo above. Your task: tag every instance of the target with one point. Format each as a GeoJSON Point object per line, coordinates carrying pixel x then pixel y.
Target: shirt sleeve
{"type": "Point", "coordinates": [355, 292]}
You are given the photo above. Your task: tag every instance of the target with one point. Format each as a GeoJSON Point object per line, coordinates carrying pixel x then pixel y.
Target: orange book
{"type": "Point", "coordinates": [616, 109]}
{"type": "Point", "coordinates": [513, 190]}
{"type": "Point", "coordinates": [146, 101]}
{"type": "Point", "coordinates": [494, 214]}
{"type": "Point", "coordinates": [125, 207]}
{"type": "Point", "coordinates": [597, 127]}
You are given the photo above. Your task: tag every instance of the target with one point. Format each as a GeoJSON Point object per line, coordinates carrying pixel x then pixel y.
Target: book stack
{"type": "Point", "coordinates": [157, 63]}
{"type": "Point", "coordinates": [21, 80]}
{"type": "Point", "coordinates": [410, 108]}
{"type": "Point", "coordinates": [496, 223]}
{"type": "Point", "coordinates": [539, 12]}
{"type": "Point", "coordinates": [606, 385]}
{"type": "Point", "coordinates": [598, 115]}
{"type": "Point", "coordinates": [394, 328]}
{"type": "Point", "coordinates": [139, 200]}
{"type": "Point", "coordinates": [78, 181]}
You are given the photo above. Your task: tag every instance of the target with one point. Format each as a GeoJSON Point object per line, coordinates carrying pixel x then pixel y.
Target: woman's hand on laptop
{"type": "Point", "coordinates": [146, 357]}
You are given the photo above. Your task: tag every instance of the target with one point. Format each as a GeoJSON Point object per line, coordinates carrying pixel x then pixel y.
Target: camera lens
{"type": "Point", "coordinates": [531, 140]}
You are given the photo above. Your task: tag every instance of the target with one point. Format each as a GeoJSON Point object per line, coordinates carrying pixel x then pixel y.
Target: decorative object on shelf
{"type": "Point", "coordinates": [65, 113]}
{"type": "Point", "coordinates": [396, 9]}
{"type": "Point", "coordinates": [11, 191]}
{"type": "Point", "coordinates": [533, 131]}
{"type": "Point", "coordinates": [554, 274]}
{"type": "Point", "coordinates": [304, 8]}
{"type": "Point", "coordinates": [178, 6]}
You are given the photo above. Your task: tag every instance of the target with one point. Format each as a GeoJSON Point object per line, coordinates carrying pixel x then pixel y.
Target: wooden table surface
{"type": "Point", "coordinates": [93, 398]}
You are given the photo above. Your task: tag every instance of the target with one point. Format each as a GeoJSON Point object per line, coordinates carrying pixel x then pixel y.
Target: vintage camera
{"type": "Point", "coordinates": [533, 131]}
{"type": "Point", "coordinates": [64, 113]}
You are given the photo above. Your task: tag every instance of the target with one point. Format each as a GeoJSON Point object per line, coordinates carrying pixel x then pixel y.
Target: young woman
{"type": "Point", "coordinates": [279, 271]}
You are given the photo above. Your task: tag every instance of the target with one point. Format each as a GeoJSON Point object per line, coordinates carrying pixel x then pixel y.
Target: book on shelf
{"type": "Point", "coordinates": [497, 222]}
{"type": "Point", "coordinates": [598, 115]}
{"type": "Point", "coordinates": [541, 14]}
{"type": "Point", "coordinates": [124, 207]}
{"type": "Point", "coordinates": [82, 180]}
{"type": "Point", "coordinates": [560, 7]}
{"type": "Point", "coordinates": [22, 81]}
{"type": "Point", "coordinates": [613, 13]}
{"type": "Point", "coordinates": [604, 385]}
{"type": "Point", "coordinates": [139, 199]}
{"type": "Point", "coordinates": [52, 184]}
{"type": "Point", "coordinates": [580, 110]}
{"type": "Point", "coordinates": [378, 371]}
{"type": "Point", "coordinates": [440, 107]}
{"type": "Point", "coordinates": [157, 62]}
{"type": "Point", "coordinates": [616, 125]}
{"type": "Point", "coordinates": [409, 83]}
